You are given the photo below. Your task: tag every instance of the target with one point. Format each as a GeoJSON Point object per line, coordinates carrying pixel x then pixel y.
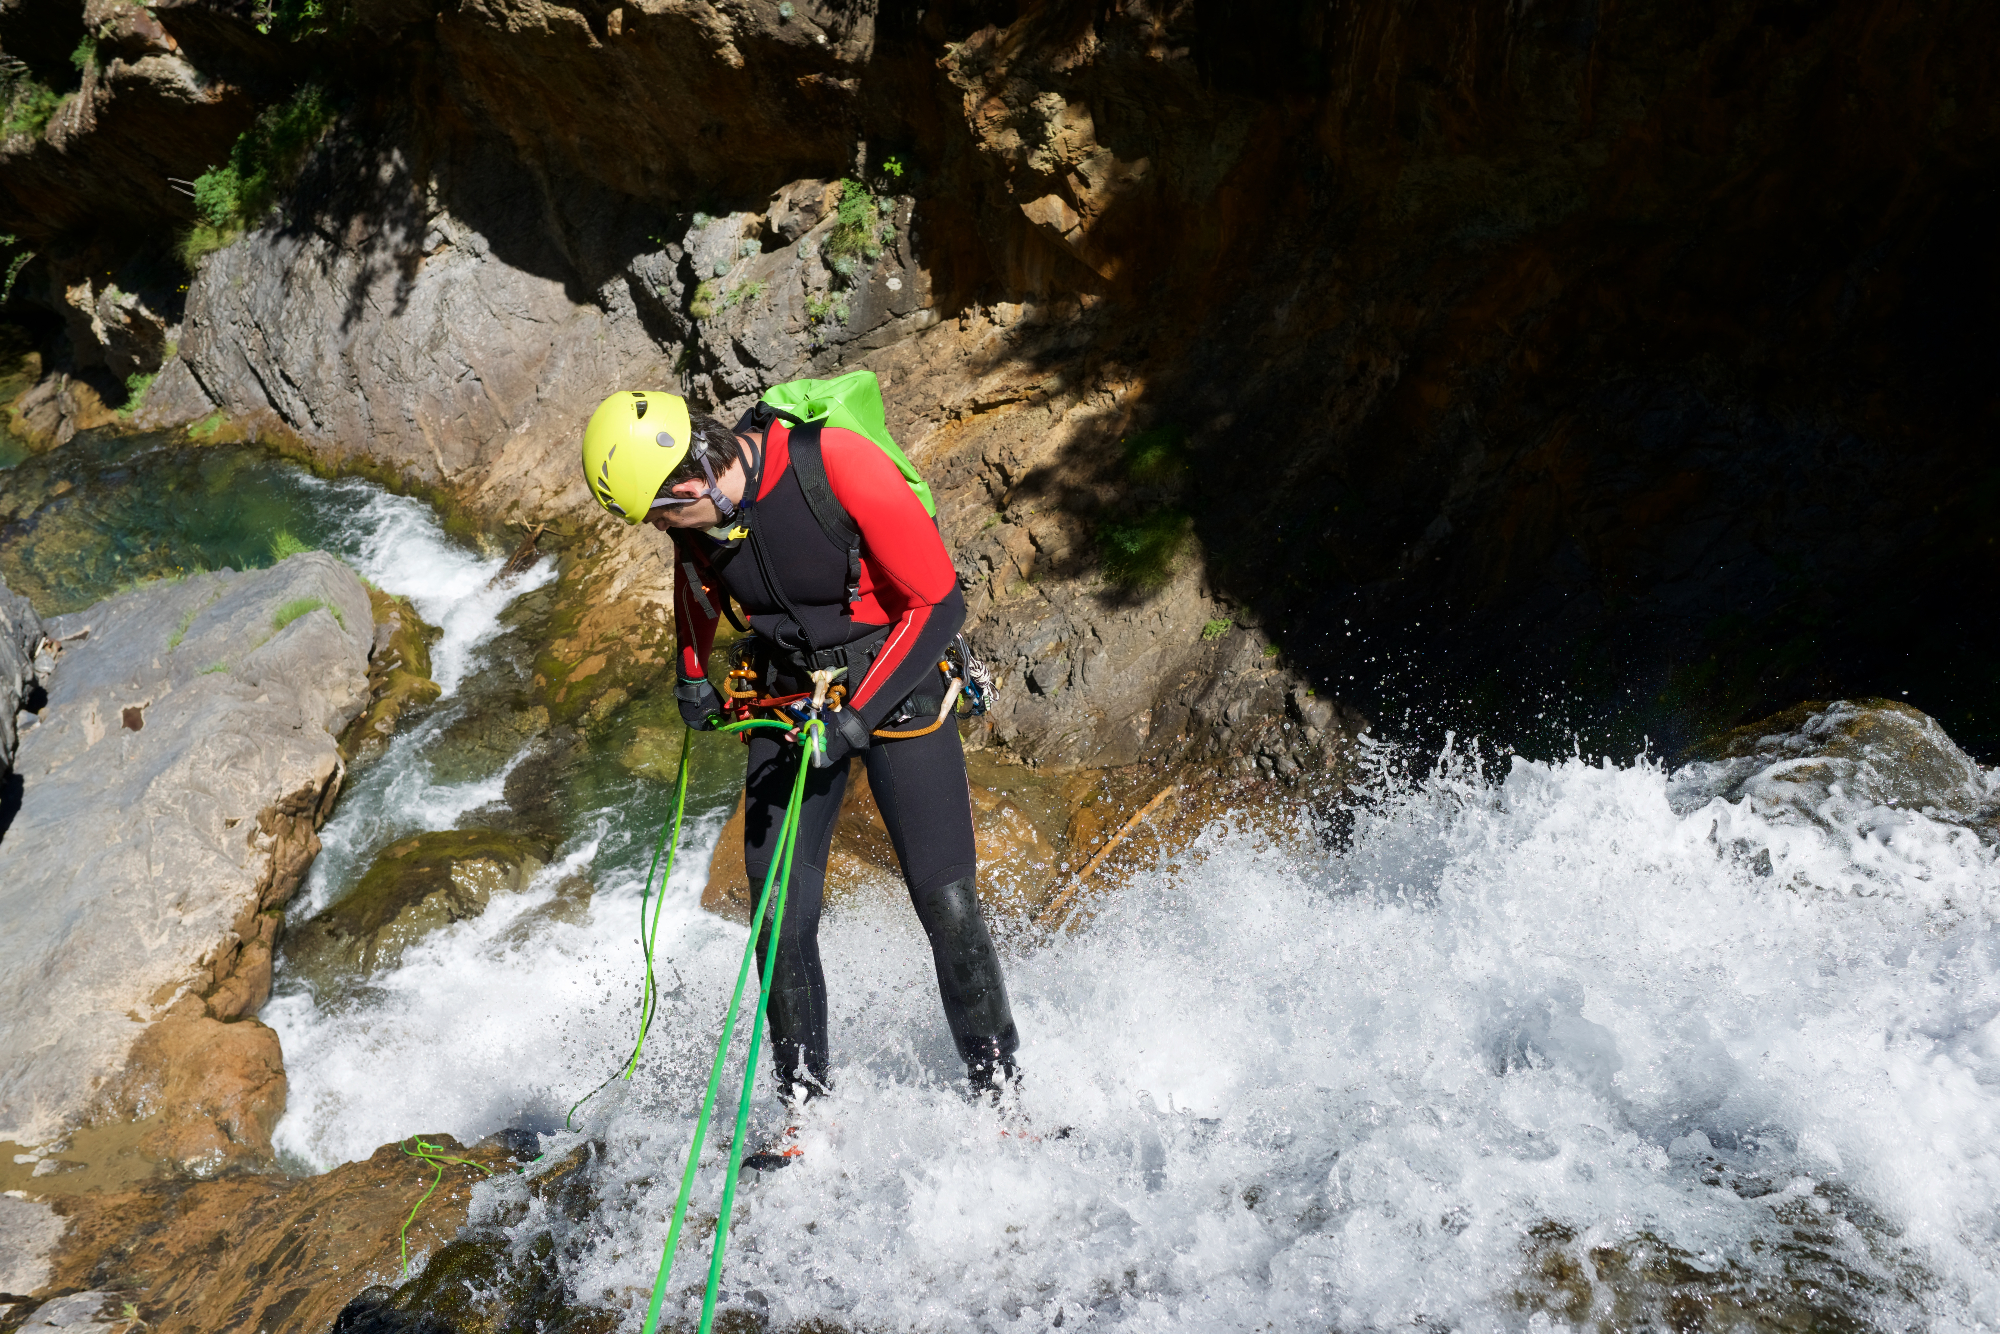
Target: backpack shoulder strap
{"type": "Point", "coordinates": [810, 464]}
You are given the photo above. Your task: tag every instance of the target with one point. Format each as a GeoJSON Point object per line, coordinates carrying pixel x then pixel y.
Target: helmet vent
{"type": "Point", "coordinates": [640, 406]}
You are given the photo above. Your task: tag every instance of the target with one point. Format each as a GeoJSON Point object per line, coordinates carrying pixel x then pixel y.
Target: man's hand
{"type": "Point", "coordinates": [846, 736]}
{"type": "Point", "coordinates": [701, 707]}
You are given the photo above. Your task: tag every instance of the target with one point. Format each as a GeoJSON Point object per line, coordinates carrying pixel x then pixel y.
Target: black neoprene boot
{"type": "Point", "coordinates": [801, 1077]}
{"type": "Point", "coordinates": [989, 1064]}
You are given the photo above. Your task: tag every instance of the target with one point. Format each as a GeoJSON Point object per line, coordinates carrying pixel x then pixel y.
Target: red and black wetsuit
{"type": "Point", "coordinates": [908, 604]}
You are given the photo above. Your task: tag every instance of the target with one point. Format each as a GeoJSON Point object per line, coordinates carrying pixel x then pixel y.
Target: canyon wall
{"type": "Point", "coordinates": [1565, 364]}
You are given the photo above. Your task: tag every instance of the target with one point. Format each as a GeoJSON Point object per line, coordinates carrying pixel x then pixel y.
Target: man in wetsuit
{"type": "Point", "coordinates": [742, 526]}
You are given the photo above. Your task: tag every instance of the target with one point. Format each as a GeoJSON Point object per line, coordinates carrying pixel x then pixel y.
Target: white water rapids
{"type": "Point", "coordinates": [1517, 1035]}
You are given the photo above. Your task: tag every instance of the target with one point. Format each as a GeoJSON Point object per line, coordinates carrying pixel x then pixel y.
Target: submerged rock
{"type": "Point", "coordinates": [170, 796]}
{"type": "Point", "coordinates": [414, 888]}
{"type": "Point", "coordinates": [399, 675]}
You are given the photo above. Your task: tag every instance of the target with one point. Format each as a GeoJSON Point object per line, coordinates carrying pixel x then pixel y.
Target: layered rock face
{"type": "Point", "coordinates": [172, 786]}
{"type": "Point", "coordinates": [1630, 360]}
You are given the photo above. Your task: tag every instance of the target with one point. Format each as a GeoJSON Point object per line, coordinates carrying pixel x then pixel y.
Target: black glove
{"type": "Point", "coordinates": [846, 737]}
{"type": "Point", "coordinates": [700, 705]}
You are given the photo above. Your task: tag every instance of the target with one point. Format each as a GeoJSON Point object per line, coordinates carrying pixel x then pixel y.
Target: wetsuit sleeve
{"type": "Point", "coordinates": [909, 571]}
{"type": "Point", "coordinates": [697, 607]}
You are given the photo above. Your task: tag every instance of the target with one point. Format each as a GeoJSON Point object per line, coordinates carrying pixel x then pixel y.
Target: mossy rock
{"type": "Point", "coordinates": [414, 887]}
{"type": "Point", "coordinates": [479, 744]}
{"type": "Point", "coordinates": [399, 676]}
{"type": "Point", "coordinates": [604, 640]}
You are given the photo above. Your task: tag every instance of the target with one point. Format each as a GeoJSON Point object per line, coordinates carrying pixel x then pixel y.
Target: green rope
{"type": "Point", "coordinates": [778, 874]}
{"type": "Point", "coordinates": [648, 935]}
{"type": "Point", "coordinates": [648, 996]}
{"type": "Point", "coordinates": [433, 1154]}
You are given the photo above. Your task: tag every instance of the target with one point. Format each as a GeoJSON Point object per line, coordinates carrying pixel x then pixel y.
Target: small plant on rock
{"type": "Point", "coordinates": [31, 105]}
{"type": "Point", "coordinates": [859, 230]}
{"type": "Point", "coordinates": [14, 266]}
{"type": "Point", "coordinates": [136, 386]}
{"type": "Point", "coordinates": [297, 607]}
{"type": "Point", "coordinates": [1139, 554]}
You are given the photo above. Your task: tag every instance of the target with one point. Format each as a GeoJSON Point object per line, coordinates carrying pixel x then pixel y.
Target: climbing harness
{"type": "Point", "coordinates": [433, 1154]}
{"type": "Point", "coordinates": [963, 676]}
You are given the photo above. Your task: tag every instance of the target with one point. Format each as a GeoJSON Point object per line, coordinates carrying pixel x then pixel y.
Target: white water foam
{"type": "Point", "coordinates": [503, 1019]}
{"type": "Point", "coordinates": [1559, 1023]}
{"type": "Point", "coordinates": [398, 543]}
{"type": "Point", "coordinates": [1581, 1020]}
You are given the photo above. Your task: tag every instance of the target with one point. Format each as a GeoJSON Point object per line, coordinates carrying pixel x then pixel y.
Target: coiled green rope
{"type": "Point", "coordinates": [433, 1154]}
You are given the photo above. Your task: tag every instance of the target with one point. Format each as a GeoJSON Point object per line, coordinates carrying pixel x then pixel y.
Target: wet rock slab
{"type": "Point", "coordinates": [1837, 760]}
{"type": "Point", "coordinates": [170, 791]}
{"type": "Point", "coordinates": [252, 1251]}
{"type": "Point", "coordinates": [414, 888]}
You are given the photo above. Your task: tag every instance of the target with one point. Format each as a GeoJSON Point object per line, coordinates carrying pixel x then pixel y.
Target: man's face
{"type": "Point", "coordinates": [701, 514]}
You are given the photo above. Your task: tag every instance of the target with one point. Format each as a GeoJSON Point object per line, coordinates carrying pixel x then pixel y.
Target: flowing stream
{"type": "Point", "coordinates": [1552, 1043]}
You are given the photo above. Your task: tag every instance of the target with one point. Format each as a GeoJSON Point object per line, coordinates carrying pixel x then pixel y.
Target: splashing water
{"type": "Point", "coordinates": [1569, 1045]}
{"type": "Point", "coordinates": [398, 543]}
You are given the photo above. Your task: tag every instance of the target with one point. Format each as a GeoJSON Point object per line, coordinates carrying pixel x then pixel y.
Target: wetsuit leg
{"type": "Point", "coordinates": [797, 1013]}
{"type": "Point", "coordinates": [926, 803]}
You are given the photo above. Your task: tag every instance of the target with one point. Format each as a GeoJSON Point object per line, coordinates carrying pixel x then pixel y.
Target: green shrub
{"type": "Point", "coordinates": [859, 231]}
{"type": "Point", "coordinates": [264, 161]}
{"type": "Point", "coordinates": [136, 386]}
{"type": "Point", "coordinates": [703, 305]}
{"type": "Point", "coordinates": [1139, 554]}
{"type": "Point", "coordinates": [1216, 629]}
{"type": "Point", "coordinates": [283, 545]}
{"type": "Point", "coordinates": [85, 55]}
{"type": "Point", "coordinates": [214, 667]}
{"type": "Point", "coordinates": [1155, 456]}
{"type": "Point", "coordinates": [298, 607]}
{"type": "Point", "coordinates": [206, 427]}
{"type": "Point", "coordinates": [33, 106]}
{"type": "Point", "coordinates": [14, 266]}
{"type": "Point", "coordinates": [218, 195]}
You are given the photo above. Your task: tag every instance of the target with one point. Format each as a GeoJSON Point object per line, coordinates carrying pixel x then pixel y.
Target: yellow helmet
{"type": "Point", "coordinates": [633, 442]}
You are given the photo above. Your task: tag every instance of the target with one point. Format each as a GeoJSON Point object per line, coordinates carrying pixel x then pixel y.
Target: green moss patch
{"type": "Point", "coordinates": [297, 607]}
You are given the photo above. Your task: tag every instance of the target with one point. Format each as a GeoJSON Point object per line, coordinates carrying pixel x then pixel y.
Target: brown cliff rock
{"type": "Point", "coordinates": [273, 1253]}
{"type": "Point", "coordinates": [104, 161]}
{"type": "Point", "coordinates": [211, 1092]}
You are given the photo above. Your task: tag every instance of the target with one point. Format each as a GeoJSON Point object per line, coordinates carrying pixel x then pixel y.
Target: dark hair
{"type": "Point", "coordinates": [710, 437]}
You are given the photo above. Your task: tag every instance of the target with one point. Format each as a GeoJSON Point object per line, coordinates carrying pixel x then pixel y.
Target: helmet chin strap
{"type": "Point", "coordinates": [724, 506]}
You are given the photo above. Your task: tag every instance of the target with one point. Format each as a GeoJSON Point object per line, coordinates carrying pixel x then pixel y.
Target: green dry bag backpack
{"type": "Point", "coordinates": [852, 402]}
